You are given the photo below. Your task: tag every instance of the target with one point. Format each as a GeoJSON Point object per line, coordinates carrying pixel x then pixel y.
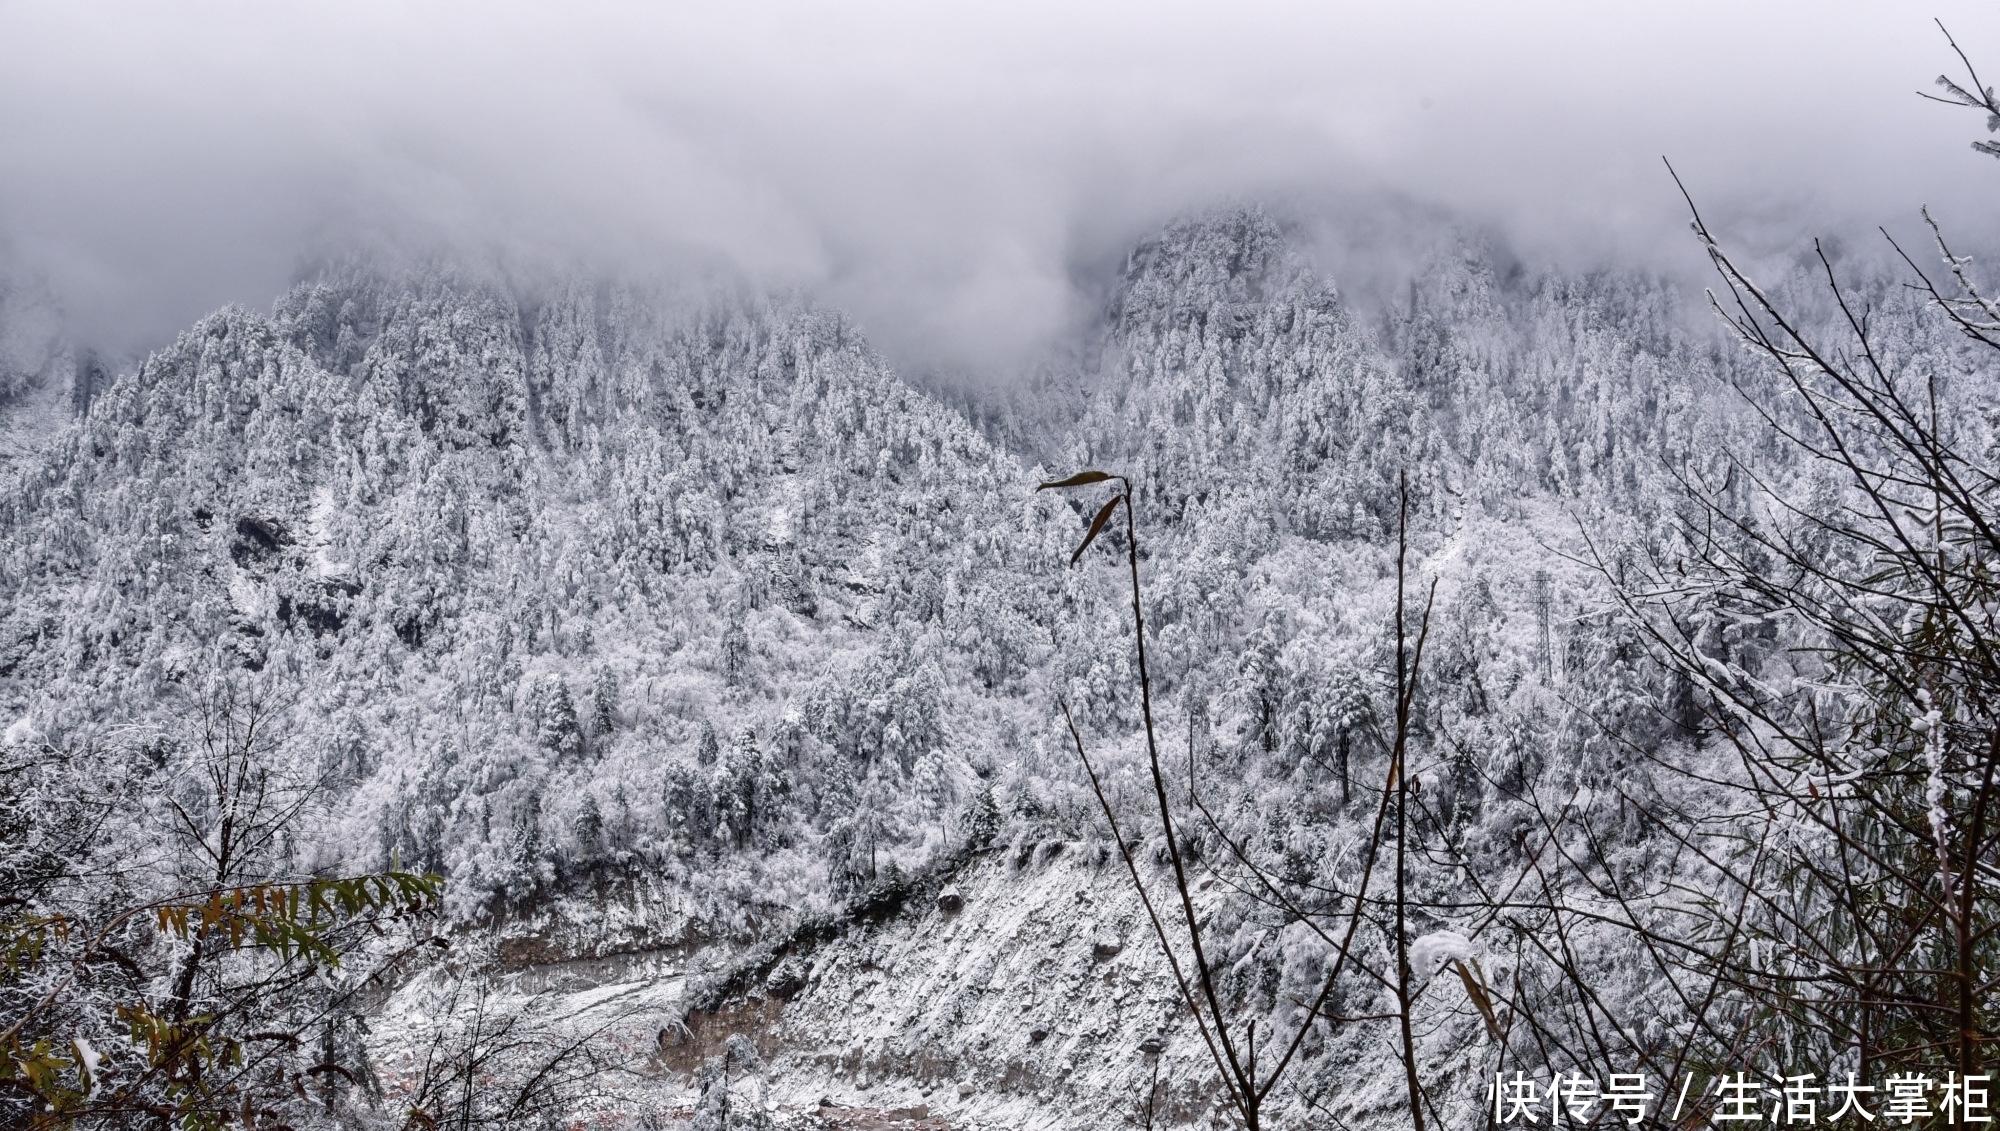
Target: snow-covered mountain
{"type": "Point", "coordinates": [664, 631]}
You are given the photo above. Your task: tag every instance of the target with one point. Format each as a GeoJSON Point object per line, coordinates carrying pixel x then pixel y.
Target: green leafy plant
{"type": "Point", "coordinates": [189, 1071]}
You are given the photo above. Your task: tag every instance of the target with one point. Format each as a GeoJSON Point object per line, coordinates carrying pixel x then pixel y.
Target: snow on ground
{"type": "Point", "coordinates": [1028, 1009]}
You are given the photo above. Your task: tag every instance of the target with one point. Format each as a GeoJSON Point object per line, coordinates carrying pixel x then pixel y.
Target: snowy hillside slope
{"type": "Point", "coordinates": [1033, 1004]}
{"type": "Point", "coordinates": [406, 491]}
{"type": "Point", "coordinates": [663, 629]}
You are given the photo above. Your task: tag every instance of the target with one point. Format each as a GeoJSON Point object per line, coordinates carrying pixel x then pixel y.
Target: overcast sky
{"type": "Point", "coordinates": [947, 171]}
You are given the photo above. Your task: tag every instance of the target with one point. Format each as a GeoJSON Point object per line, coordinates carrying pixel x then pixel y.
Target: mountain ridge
{"type": "Point", "coordinates": [653, 626]}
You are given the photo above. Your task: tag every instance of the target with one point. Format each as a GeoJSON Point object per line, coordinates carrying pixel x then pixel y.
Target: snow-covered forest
{"type": "Point", "coordinates": [706, 657]}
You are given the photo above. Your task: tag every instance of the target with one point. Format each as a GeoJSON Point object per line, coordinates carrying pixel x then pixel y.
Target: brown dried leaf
{"type": "Point", "coordinates": [1080, 479]}
{"type": "Point", "coordinates": [1096, 525]}
{"type": "Point", "coordinates": [1475, 989]}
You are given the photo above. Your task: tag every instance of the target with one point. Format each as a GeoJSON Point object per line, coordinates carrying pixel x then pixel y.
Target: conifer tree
{"type": "Point", "coordinates": [557, 729]}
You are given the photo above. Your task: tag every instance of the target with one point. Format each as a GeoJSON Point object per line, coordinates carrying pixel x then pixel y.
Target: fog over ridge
{"type": "Point", "coordinates": [950, 177]}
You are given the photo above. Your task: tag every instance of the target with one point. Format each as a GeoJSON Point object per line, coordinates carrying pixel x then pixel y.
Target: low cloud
{"type": "Point", "coordinates": [949, 173]}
